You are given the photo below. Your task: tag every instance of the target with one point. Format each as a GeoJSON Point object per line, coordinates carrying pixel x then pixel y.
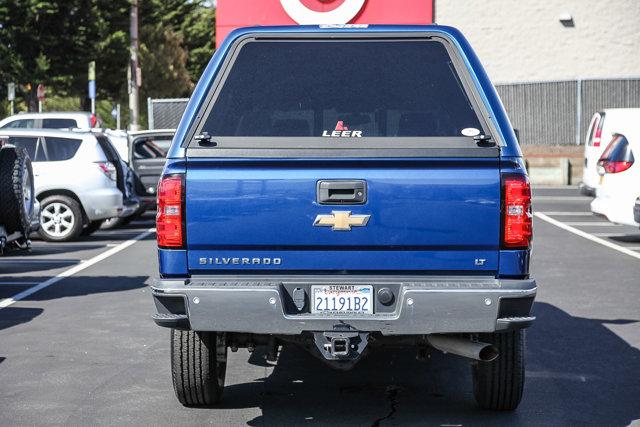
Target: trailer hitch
{"type": "Point", "coordinates": [344, 345]}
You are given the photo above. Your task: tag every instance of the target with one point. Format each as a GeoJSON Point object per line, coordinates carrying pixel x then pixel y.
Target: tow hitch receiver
{"type": "Point", "coordinates": [341, 345]}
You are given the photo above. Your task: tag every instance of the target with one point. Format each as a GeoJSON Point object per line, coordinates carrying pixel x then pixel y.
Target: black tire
{"type": "Point", "coordinates": [91, 228]}
{"type": "Point", "coordinates": [498, 385]}
{"type": "Point", "coordinates": [197, 370]}
{"type": "Point", "coordinates": [72, 232]}
{"type": "Point", "coordinates": [17, 195]}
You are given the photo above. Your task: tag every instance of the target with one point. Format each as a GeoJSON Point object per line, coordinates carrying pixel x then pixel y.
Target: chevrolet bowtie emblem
{"type": "Point", "coordinates": [341, 220]}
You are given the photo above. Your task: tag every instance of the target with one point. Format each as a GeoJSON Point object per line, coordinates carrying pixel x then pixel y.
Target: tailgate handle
{"type": "Point", "coordinates": [341, 192]}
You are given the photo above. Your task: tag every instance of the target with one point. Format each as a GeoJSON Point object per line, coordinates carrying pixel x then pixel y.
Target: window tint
{"type": "Point", "coordinates": [59, 123]}
{"type": "Point", "coordinates": [32, 144]}
{"type": "Point", "coordinates": [312, 88]}
{"type": "Point", "coordinates": [618, 150]}
{"type": "Point", "coordinates": [20, 124]}
{"type": "Point", "coordinates": [58, 149]}
{"type": "Point", "coordinates": [151, 148]}
{"type": "Point", "coordinates": [595, 130]}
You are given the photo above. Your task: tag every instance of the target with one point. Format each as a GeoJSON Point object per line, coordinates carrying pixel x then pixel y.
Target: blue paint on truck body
{"type": "Point", "coordinates": [428, 215]}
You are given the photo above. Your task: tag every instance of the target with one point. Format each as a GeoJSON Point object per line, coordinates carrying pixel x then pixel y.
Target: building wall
{"type": "Point", "coordinates": [523, 40]}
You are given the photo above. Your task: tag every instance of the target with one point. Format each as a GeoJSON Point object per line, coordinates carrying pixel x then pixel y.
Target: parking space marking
{"type": "Point", "coordinates": [565, 213]}
{"type": "Point", "coordinates": [587, 236]}
{"type": "Point", "coordinates": [562, 198]}
{"type": "Point", "coordinates": [75, 269]}
{"type": "Point", "coordinates": [592, 224]}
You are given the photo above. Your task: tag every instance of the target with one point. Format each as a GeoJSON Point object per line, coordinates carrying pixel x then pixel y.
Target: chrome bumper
{"type": "Point", "coordinates": [423, 305]}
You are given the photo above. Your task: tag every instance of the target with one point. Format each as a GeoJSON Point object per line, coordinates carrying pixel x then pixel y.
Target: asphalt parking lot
{"type": "Point", "coordinates": [77, 346]}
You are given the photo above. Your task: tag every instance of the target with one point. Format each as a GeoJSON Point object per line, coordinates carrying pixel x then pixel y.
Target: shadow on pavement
{"type": "Point", "coordinates": [629, 238]}
{"type": "Point", "coordinates": [86, 285]}
{"type": "Point", "coordinates": [49, 249]}
{"type": "Point", "coordinates": [12, 316]}
{"type": "Point", "coordinates": [7, 267]}
{"type": "Point", "coordinates": [578, 372]}
{"type": "Point", "coordinates": [71, 287]}
{"type": "Point", "coordinates": [117, 234]}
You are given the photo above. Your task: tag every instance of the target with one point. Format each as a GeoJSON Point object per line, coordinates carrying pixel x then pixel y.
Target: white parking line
{"type": "Point", "coordinates": [75, 269]}
{"type": "Point", "coordinates": [565, 213]}
{"type": "Point", "coordinates": [592, 224]}
{"type": "Point", "coordinates": [587, 236]}
{"type": "Point", "coordinates": [563, 198]}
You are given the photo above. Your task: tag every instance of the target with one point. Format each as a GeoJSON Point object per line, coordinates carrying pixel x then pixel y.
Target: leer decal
{"type": "Point", "coordinates": [342, 131]}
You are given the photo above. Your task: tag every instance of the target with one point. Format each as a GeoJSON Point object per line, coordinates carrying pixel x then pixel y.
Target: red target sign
{"type": "Point", "coordinates": [232, 14]}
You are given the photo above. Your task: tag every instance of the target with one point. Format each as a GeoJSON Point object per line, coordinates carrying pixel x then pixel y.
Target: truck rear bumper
{"type": "Point", "coordinates": [423, 305]}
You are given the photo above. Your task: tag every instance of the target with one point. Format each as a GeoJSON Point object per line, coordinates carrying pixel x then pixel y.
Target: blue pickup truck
{"type": "Point", "coordinates": [344, 188]}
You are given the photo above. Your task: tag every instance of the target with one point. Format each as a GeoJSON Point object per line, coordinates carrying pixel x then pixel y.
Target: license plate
{"type": "Point", "coordinates": [342, 299]}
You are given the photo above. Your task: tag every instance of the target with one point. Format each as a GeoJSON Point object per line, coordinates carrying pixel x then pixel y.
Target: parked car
{"type": "Point", "coordinates": [636, 209]}
{"type": "Point", "coordinates": [19, 210]}
{"type": "Point", "coordinates": [363, 189]}
{"type": "Point", "coordinates": [120, 140]}
{"type": "Point", "coordinates": [51, 120]}
{"type": "Point", "coordinates": [619, 186]}
{"type": "Point", "coordinates": [600, 132]}
{"type": "Point", "coordinates": [147, 156]}
{"type": "Point", "coordinates": [78, 179]}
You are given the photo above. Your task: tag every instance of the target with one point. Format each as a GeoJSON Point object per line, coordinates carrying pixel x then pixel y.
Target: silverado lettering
{"type": "Point", "coordinates": [242, 261]}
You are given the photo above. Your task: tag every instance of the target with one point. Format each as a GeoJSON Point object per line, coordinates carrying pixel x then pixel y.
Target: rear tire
{"type": "Point", "coordinates": [498, 385]}
{"type": "Point", "coordinates": [68, 215]}
{"type": "Point", "coordinates": [16, 190]}
{"type": "Point", "coordinates": [197, 367]}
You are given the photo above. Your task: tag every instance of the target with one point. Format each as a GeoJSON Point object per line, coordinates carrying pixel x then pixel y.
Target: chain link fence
{"type": "Point", "coordinates": [559, 112]}
{"type": "Point", "coordinates": [545, 113]}
{"type": "Point", "coordinates": [165, 113]}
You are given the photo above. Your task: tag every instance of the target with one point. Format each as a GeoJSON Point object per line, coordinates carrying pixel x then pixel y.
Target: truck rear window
{"type": "Point", "coordinates": [360, 88]}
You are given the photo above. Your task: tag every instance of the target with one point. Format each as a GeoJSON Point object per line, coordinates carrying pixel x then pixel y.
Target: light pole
{"type": "Point", "coordinates": [134, 69]}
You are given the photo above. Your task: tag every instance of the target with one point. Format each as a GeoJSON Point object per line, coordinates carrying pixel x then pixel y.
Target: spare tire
{"type": "Point", "coordinates": [17, 193]}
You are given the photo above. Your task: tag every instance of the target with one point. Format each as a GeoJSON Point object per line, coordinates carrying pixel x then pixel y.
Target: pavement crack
{"type": "Point", "coordinates": [392, 393]}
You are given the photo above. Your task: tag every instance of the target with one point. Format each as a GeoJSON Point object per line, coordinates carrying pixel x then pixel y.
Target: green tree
{"type": "Point", "coordinates": [163, 61]}
{"type": "Point", "coordinates": [52, 42]}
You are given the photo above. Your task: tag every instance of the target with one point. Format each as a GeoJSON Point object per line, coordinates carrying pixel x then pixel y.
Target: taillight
{"type": "Point", "coordinates": [598, 136]}
{"type": "Point", "coordinates": [609, 166]}
{"type": "Point", "coordinates": [169, 224]}
{"type": "Point", "coordinates": [516, 215]}
{"type": "Point", "coordinates": [617, 157]}
{"type": "Point", "coordinates": [108, 169]}
{"type": "Point", "coordinates": [93, 120]}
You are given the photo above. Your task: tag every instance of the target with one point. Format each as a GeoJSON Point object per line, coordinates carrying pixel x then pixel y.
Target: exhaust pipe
{"type": "Point", "coordinates": [464, 347]}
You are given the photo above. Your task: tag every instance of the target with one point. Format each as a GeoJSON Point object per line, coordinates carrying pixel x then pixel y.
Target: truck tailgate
{"type": "Point", "coordinates": [425, 215]}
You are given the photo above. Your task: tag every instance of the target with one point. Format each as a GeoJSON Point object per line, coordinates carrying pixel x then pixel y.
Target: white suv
{"type": "Point", "coordinates": [601, 129]}
{"type": "Point", "coordinates": [76, 178]}
{"type": "Point", "coordinates": [51, 120]}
